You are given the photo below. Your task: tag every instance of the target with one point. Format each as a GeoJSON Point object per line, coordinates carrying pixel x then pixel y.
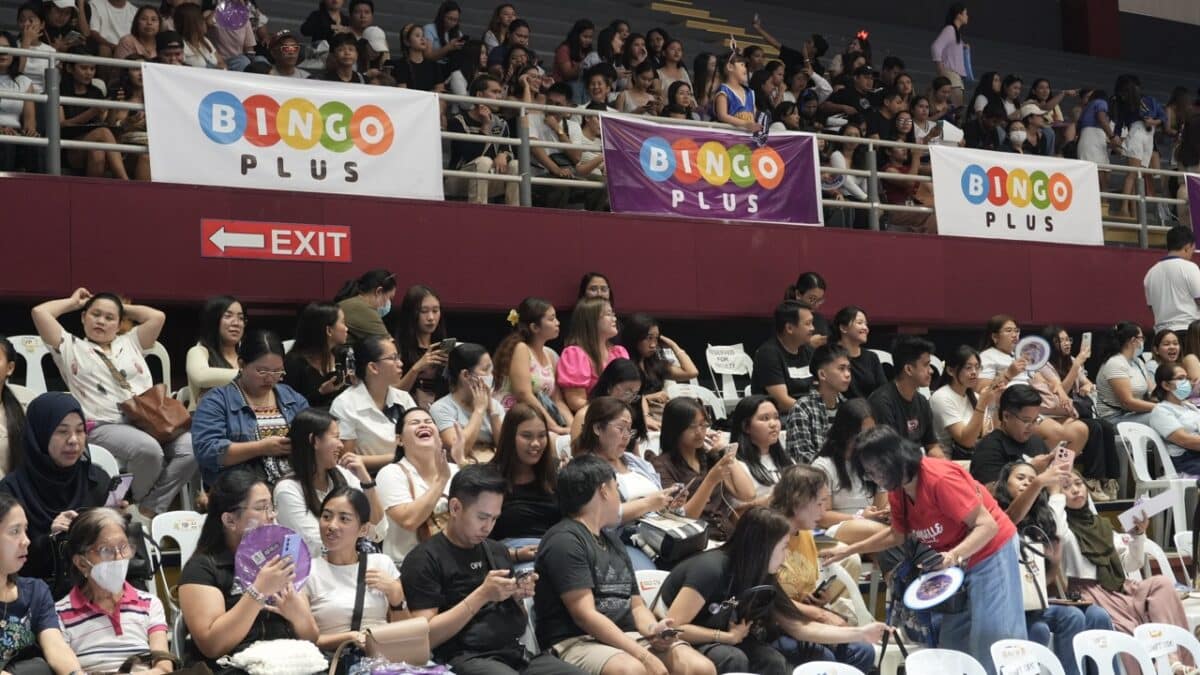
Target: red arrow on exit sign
{"type": "Point", "coordinates": [253, 240]}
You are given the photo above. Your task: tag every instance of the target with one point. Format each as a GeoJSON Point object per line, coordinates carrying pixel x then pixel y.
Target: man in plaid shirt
{"type": "Point", "coordinates": [808, 421]}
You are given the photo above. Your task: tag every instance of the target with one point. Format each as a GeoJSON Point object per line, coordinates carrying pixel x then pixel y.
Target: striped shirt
{"type": "Point", "coordinates": [103, 641]}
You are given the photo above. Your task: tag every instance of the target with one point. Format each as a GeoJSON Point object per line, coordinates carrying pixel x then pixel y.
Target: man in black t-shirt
{"type": "Point", "coordinates": [1020, 409]}
{"type": "Point", "coordinates": [463, 583]}
{"type": "Point", "coordinates": [899, 405]}
{"type": "Point", "coordinates": [781, 363]}
{"type": "Point", "coordinates": [482, 157]}
{"type": "Point", "coordinates": [857, 99]}
{"type": "Point", "coordinates": [881, 123]}
{"type": "Point", "coordinates": [588, 608]}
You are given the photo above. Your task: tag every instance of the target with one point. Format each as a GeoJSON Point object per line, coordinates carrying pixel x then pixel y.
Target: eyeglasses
{"type": "Point", "coordinates": [259, 508]}
{"type": "Point", "coordinates": [394, 358]}
{"type": "Point", "coordinates": [264, 372]}
{"type": "Point", "coordinates": [108, 553]}
{"type": "Point", "coordinates": [700, 426]}
{"type": "Point", "coordinates": [621, 429]}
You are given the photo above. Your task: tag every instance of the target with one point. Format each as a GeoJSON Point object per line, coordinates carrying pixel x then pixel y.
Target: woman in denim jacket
{"type": "Point", "coordinates": [246, 422]}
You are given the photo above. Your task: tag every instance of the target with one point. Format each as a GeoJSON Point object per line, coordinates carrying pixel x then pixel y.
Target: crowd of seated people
{"type": "Point", "coordinates": [477, 484]}
{"type": "Point", "coordinates": [603, 67]}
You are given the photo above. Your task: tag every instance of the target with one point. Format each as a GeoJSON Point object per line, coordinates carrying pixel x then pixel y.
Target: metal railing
{"type": "Point", "coordinates": [53, 143]}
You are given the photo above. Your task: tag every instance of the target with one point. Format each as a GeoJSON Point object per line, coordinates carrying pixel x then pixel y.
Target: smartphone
{"type": "Point", "coordinates": [118, 488]}
{"type": "Point", "coordinates": [291, 547]}
{"type": "Point", "coordinates": [830, 589]}
{"type": "Point", "coordinates": [522, 575]}
{"type": "Point", "coordinates": [1086, 341]}
{"type": "Point", "coordinates": [668, 633]}
{"type": "Point", "coordinates": [447, 345]}
{"type": "Point", "coordinates": [1064, 455]}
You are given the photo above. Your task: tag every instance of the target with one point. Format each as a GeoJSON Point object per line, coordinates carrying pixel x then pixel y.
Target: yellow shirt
{"type": "Point", "coordinates": [800, 571]}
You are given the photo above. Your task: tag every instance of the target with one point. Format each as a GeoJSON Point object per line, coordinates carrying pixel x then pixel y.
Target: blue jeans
{"type": "Point", "coordinates": [1064, 622]}
{"type": "Point", "coordinates": [518, 542]}
{"type": "Point", "coordinates": [993, 611]}
{"type": "Point", "coordinates": [858, 654]}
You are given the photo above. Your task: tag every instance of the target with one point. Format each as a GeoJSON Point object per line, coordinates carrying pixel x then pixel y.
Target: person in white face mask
{"type": "Point", "coordinates": [1018, 138]}
{"type": "Point", "coordinates": [99, 551]}
{"type": "Point", "coordinates": [469, 404]}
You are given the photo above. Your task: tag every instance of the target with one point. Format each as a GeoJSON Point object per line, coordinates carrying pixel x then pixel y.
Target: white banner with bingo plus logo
{"type": "Point", "coordinates": [215, 127]}
{"type": "Point", "coordinates": [1000, 195]}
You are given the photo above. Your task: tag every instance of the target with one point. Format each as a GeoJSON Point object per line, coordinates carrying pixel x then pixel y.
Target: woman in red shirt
{"type": "Point", "coordinates": [937, 502]}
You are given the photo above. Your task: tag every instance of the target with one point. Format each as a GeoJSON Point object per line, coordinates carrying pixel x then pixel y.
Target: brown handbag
{"type": "Point", "coordinates": [153, 411]}
{"type": "Point", "coordinates": [404, 641]}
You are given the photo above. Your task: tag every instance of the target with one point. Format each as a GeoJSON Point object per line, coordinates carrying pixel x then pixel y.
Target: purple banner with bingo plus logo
{"type": "Point", "coordinates": [697, 172]}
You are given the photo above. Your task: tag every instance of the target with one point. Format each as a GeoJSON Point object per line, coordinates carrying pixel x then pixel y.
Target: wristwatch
{"type": "Point", "coordinates": [370, 485]}
{"type": "Point", "coordinates": [402, 607]}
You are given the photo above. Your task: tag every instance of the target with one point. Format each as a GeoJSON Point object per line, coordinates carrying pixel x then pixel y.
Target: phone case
{"type": "Point", "coordinates": [291, 546]}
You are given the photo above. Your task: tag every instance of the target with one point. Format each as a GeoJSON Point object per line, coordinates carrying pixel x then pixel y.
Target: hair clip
{"type": "Point", "coordinates": [862, 35]}
{"type": "Point", "coordinates": [513, 318]}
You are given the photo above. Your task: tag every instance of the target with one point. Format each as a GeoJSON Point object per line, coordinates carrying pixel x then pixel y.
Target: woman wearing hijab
{"type": "Point", "coordinates": [1095, 562]}
{"type": "Point", "coordinates": [54, 481]}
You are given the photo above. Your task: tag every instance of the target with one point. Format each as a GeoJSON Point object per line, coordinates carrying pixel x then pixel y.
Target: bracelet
{"type": "Point", "coordinates": [716, 635]}
{"type": "Point", "coordinates": [403, 606]}
{"type": "Point", "coordinates": [256, 595]}
{"type": "Point", "coordinates": [368, 485]}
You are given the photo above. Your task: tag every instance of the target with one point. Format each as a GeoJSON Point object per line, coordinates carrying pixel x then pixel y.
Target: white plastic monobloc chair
{"type": "Point", "coordinates": [649, 584]}
{"type": "Point", "coordinates": [1103, 645]}
{"type": "Point", "coordinates": [34, 351]}
{"type": "Point", "coordinates": [728, 361]}
{"type": "Point", "coordinates": [1139, 440]}
{"type": "Point", "coordinates": [104, 459]}
{"type": "Point", "coordinates": [826, 668]}
{"type": "Point", "coordinates": [181, 526]}
{"type": "Point", "coordinates": [1015, 656]}
{"type": "Point", "coordinates": [1162, 639]}
{"type": "Point", "coordinates": [159, 352]}
{"type": "Point", "coordinates": [942, 662]}
{"type": "Point", "coordinates": [706, 397]}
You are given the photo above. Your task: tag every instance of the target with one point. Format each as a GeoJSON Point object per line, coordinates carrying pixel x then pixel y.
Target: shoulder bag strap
{"type": "Point", "coordinates": [112, 370]}
{"type": "Point", "coordinates": [359, 593]}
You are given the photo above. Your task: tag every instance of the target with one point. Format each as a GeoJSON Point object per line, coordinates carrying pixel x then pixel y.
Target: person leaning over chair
{"type": "Point", "coordinates": [104, 369]}
{"type": "Point", "coordinates": [463, 583]}
{"type": "Point", "coordinates": [484, 158]}
{"type": "Point", "coordinates": [937, 501]}
{"type": "Point", "coordinates": [588, 608]}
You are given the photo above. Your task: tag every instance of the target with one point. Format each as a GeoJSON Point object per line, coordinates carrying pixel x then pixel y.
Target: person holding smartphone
{"type": "Point", "coordinates": [701, 595]}
{"type": "Point", "coordinates": [462, 582]}
{"type": "Point", "coordinates": [316, 366]}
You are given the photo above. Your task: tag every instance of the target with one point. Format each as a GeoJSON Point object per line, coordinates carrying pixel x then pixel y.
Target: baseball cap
{"type": "Point", "coordinates": [376, 39]}
{"type": "Point", "coordinates": [168, 39]}
{"type": "Point", "coordinates": [820, 45]}
{"type": "Point", "coordinates": [864, 71]}
{"type": "Point", "coordinates": [61, 4]}
{"type": "Point", "coordinates": [1031, 108]}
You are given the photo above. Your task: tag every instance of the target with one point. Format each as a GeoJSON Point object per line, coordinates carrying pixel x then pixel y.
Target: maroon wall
{"type": "Point", "coordinates": [144, 240]}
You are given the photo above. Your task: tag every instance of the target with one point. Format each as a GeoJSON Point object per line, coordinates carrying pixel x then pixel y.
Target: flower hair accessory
{"type": "Point", "coordinates": [513, 318]}
{"type": "Point", "coordinates": [862, 35]}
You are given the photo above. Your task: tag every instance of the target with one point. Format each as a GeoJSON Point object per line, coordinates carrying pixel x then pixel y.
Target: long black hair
{"type": "Point", "coordinates": [311, 337]}
{"type": "Point", "coordinates": [408, 319]}
{"type": "Point", "coordinates": [952, 13]}
{"type": "Point", "coordinates": [226, 496]}
{"type": "Point", "coordinates": [1039, 514]}
{"type": "Point", "coordinates": [210, 329]}
{"type": "Point", "coordinates": [847, 424]}
{"type": "Point", "coordinates": [373, 279]}
{"type": "Point", "coordinates": [1060, 360]}
{"type": "Point", "coordinates": [617, 371]}
{"type": "Point", "coordinates": [14, 414]}
{"type": "Point", "coordinates": [678, 415]}
{"type": "Point", "coordinates": [439, 22]}
{"type": "Point", "coordinates": [746, 450]}
{"type": "Point", "coordinates": [574, 37]}
{"type": "Point", "coordinates": [955, 362]}
{"type": "Point", "coordinates": [1117, 338]}
{"type": "Point", "coordinates": [309, 425]}
{"type": "Point", "coordinates": [654, 368]}
{"type": "Point", "coordinates": [749, 549]}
